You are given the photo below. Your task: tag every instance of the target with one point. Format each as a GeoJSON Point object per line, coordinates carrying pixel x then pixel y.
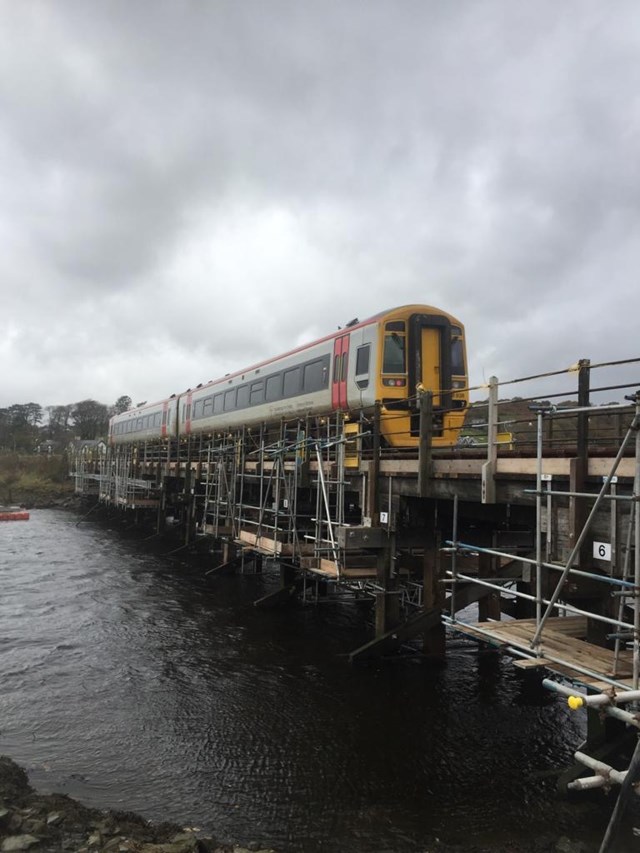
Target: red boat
{"type": "Point", "coordinates": [13, 513]}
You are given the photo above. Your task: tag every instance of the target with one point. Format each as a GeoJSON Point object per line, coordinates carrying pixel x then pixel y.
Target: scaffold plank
{"type": "Point", "coordinates": [560, 641]}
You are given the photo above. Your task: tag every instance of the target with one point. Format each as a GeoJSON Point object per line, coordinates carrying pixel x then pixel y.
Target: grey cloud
{"type": "Point", "coordinates": [190, 187]}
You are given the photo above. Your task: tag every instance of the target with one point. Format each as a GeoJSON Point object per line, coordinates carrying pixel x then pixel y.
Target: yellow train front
{"type": "Point", "coordinates": [416, 347]}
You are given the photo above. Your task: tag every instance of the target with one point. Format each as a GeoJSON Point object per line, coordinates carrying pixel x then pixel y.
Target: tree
{"type": "Point", "coordinates": [122, 404]}
{"type": "Point", "coordinates": [20, 425]}
{"type": "Point", "coordinates": [58, 424]}
{"type": "Point", "coordinates": [90, 418]}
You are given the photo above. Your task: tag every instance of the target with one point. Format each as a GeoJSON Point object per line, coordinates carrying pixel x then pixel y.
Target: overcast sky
{"type": "Point", "coordinates": [188, 187]}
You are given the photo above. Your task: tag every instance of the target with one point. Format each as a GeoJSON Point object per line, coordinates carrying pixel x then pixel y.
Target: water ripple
{"type": "Point", "coordinates": [129, 681]}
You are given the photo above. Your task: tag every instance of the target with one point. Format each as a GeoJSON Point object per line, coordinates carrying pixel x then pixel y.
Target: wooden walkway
{"type": "Point", "coordinates": [562, 649]}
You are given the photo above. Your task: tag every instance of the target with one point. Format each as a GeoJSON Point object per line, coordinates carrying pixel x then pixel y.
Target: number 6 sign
{"type": "Point", "coordinates": [602, 551]}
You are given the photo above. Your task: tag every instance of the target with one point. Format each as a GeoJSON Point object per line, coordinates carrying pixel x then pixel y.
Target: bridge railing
{"type": "Point", "coordinates": [508, 423]}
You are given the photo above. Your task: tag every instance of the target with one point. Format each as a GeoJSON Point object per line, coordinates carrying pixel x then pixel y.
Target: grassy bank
{"type": "Point", "coordinates": [34, 480]}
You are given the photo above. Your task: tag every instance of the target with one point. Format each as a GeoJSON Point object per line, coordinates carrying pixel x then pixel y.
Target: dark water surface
{"type": "Point", "coordinates": [132, 681]}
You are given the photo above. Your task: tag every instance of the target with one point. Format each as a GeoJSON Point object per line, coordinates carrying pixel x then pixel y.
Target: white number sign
{"type": "Point", "coordinates": [602, 551]}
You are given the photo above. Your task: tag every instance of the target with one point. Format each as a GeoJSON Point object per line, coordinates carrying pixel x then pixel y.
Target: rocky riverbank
{"type": "Point", "coordinates": [35, 822]}
{"type": "Point", "coordinates": [54, 822]}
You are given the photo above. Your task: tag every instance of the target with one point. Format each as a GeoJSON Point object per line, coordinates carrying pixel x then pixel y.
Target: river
{"type": "Point", "coordinates": [134, 681]}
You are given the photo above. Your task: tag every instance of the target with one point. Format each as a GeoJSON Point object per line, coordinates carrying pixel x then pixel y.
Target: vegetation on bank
{"type": "Point", "coordinates": [25, 427]}
{"type": "Point", "coordinates": [34, 480]}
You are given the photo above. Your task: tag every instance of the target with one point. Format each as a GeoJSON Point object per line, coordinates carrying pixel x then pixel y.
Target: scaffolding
{"type": "Point", "coordinates": [549, 607]}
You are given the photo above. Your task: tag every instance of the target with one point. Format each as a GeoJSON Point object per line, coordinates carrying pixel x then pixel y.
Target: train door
{"type": "Point", "coordinates": [340, 366]}
{"type": "Point", "coordinates": [430, 362]}
{"type": "Point", "coordinates": [187, 416]}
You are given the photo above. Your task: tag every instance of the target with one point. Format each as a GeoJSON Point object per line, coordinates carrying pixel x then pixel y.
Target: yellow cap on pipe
{"type": "Point", "coordinates": [575, 702]}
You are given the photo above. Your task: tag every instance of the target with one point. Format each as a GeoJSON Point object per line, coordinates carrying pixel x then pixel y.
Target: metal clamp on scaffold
{"type": "Point", "coordinates": [608, 701]}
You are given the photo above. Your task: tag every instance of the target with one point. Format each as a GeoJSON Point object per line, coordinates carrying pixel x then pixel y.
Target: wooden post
{"type": "Point", "coordinates": [387, 603]}
{"type": "Point", "coordinates": [425, 464]}
{"type": "Point", "coordinates": [434, 639]}
{"type": "Point", "coordinates": [580, 464]}
{"type": "Point", "coordinates": [488, 486]}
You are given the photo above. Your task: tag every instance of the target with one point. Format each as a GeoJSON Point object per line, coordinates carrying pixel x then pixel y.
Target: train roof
{"type": "Point", "coordinates": [340, 331]}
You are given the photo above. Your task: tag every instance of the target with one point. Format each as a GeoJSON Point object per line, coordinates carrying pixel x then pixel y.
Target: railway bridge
{"type": "Point", "coordinates": [525, 535]}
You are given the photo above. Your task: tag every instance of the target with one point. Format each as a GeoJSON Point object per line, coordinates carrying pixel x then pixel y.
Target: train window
{"type": "Point", "coordinates": [395, 326]}
{"type": "Point", "coordinates": [393, 357]}
{"type": "Point", "coordinates": [207, 408]}
{"type": "Point", "coordinates": [273, 390]}
{"type": "Point", "coordinates": [291, 382]}
{"type": "Point", "coordinates": [197, 409]}
{"type": "Point", "coordinates": [457, 357]}
{"type": "Point", "coordinates": [157, 419]}
{"type": "Point", "coordinates": [314, 376]}
{"type": "Point", "coordinates": [362, 359]}
{"type": "Point", "coordinates": [140, 423]}
{"type": "Point", "coordinates": [230, 400]}
{"type": "Point", "coordinates": [218, 403]}
{"type": "Point", "coordinates": [243, 397]}
{"type": "Point", "coordinates": [257, 392]}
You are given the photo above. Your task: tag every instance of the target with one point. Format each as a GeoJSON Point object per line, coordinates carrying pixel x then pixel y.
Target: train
{"type": "Point", "coordinates": [387, 359]}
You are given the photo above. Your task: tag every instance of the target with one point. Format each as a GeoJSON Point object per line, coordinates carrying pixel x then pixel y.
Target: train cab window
{"type": "Point", "coordinates": [393, 359]}
{"type": "Point", "coordinates": [291, 382]}
{"type": "Point", "coordinates": [457, 352]}
{"type": "Point", "coordinates": [218, 403]}
{"type": "Point", "coordinates": [243, 397]}
{"type": "Point", "coordinates": [273, 390]}
{"type": "Point", "coordinates": [230, 400]}
{"type": "Point", "coordinates": [257, 392]}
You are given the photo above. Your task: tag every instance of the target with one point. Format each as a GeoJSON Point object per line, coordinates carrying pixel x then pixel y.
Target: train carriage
{"type": "Point", "coordinates": [388, 358]}
{"type": "Point", "coordinates": [148, 422]}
